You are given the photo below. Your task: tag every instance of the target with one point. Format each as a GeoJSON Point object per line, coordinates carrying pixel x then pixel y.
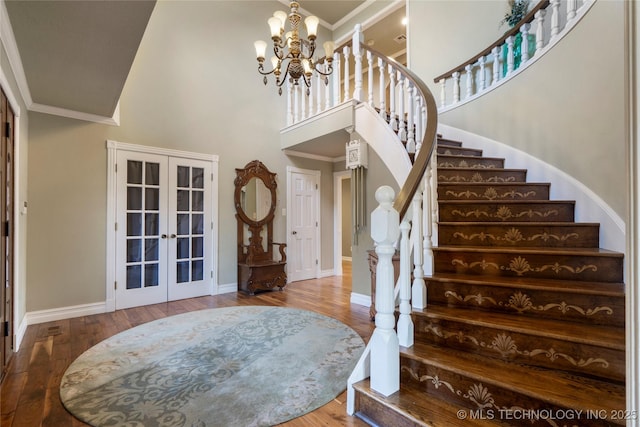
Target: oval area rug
{"type": "Point", "coordinates": [234, 366]}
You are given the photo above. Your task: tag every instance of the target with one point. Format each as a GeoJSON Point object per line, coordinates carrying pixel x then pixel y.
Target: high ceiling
{"type": "Point", "coordinates": [77, 55]}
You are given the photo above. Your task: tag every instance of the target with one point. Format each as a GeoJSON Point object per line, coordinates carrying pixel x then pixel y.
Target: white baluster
{"type": "Point", "coordinates": [456, 87]}
{"type": "Point", "coordinates": [319, 83]}
{"type": "Point", "coordinates": [370, 81]}
{"type": "Point", "coordinates": [383, 83]}
{"type": "Point", "coordinates": [418, 288]}
{"type": "Point", "coordinates": [405, 324]}
{"type": "Point", "coordinates": [482, 61]}
{"type": "Point", "coordinates": [510, 55]}
{"type": "Point", "coordinates": [572, 6]}
{"type": "Point", "coordinates": [385, 349]}
{"type": "Point", "coordinates": [469, 70]}
{"type": "Point", "coordinates": [303, 100]}
{"type": "Point", "coordinates": [402, 125]}
{"type": "Point", "coordinates": [310, 95]}
{"type": "Point", "coordinates": [358, 39]}
{"type": "Point", "coordinates": [411, 136]}
{"type": "Point", "coordinates": [524, 30]}
{"type": "Point", "coordinates": [290, 118]}
{"type": "Point", "coordinates": [443, 92]}
{"type": "Point", "coordinates": [296, 103]}
{"type": "Point", "coordinates": [393, 122]}
{"type": "Point", "coordinates": [540, 29]}
{"type": "Point", "coordinates": [336, 78]}
{"type": "Point", "coordinates": [327, 89]}
{"type": "Point", "coordinates": [418, 119]}
{"type": "Point", "coordinates": [346, 81]}
{"type": "Point", "coordinates": [496, 65]}
{"type": "Point", "coordinates": [433, 203]}
{"type": "Point", "coordinates": [555, 18]}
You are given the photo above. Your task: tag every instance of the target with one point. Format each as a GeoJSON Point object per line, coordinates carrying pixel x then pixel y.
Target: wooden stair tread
{"type": "Point", "coordinates": [494, 184]}
{"type": "Point", "coordinates": [462, 156]}
{"type": "Point", "coordinates": [508, 202]}
{"type": "Point", "coordinates": [595, 252]}
{"type": "Point", "coordinates": [420, 408]}
{"type": "Point", "coordinates": [521, 224]}
{"type": "Point", "coordinates": [554, 386]}
{"type": "Point", "coordinates": [446, 142]}
{"type": "Point", "coordinates": [598, 335]}
{"type": "Point", "coordinates": [612, 289]}
{"type": "Point", "coordinates": [461, 169]}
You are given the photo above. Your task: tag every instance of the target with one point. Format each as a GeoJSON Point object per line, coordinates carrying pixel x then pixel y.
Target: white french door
{"type": "Point", "coordinates": [304, 237]}
{"type": "Point", "coordinates": [164, 228]}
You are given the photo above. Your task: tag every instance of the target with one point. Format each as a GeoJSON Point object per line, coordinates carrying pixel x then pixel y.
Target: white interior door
{"type": "Point", "coordinates": [303, 224]}
{"type": "Point", "coordinates": [164, 229]}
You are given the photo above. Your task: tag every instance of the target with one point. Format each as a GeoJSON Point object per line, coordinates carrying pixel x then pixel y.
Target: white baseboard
{"type": "Point", "coordinates": [53, 314]}
{"type": "Point", "coordinates": [227, 288]}
{"type": "Point", "coordinates": [19, 336]}
{"type": "Point", "coordinates": [327, 273]}
{"type": "Point", "coordinates": [361, 299]}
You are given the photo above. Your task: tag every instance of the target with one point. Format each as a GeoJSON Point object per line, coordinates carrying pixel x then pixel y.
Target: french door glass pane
{"type": "Point", "coordinates": [182, 271]}
{"type": "Point", "coordinates": [143, 202]}
{"type": "Point", "coordinates": [134, 250]}
{"type": "Point", "coordinates": [152, 173]}
{"type": "Point", "coordinates": [133, 276]}
{"type": "Point", "coordinates": [197, 225]}
{"type": "Point", "coordinates": [197, 272]}
{"type": "Point", "coordinates": [183, 200]}
{"type": "Point", "coordinates": [183, 224]}
{"type": "Point", "coordinates": [183, 176]}
{"type": "Point", "coordinates": [198, 178]}
{"type": "Point", "coordinates": [197, 201]}
{"type": "Point", "coordinates": [197, 247]}
{"type": "Point", "coordinates": [183, 248]}
{"type": "Point", "coordinates": [134, 172]}
{"type": "Point", "coordinates": [134, 198]}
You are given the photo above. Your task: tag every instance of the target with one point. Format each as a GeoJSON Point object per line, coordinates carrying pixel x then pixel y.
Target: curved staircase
{"type": "Point", "coordinates": [525, 316]}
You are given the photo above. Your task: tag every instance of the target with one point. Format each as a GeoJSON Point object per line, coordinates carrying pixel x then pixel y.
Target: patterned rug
{"type": "Point", "coordinates": [236, 366]}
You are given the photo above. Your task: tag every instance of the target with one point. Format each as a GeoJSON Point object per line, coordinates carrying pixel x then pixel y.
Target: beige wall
{"type": "Point", "coordinates": [567, 109]}
{"type": "Point", "coordinates": [193, 86]}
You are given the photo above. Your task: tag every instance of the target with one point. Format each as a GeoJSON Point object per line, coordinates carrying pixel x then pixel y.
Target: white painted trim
{"type": "Point", "coordinates": [112, 151]}
{"type": "Point", "coordinates": [589, 206]}
{"type": "Point", "coordinates": [338, 177]}
{"type": "Point", "coordinates": [327, 273]}
{"type": "Point", "coordinates": [51, 315]}
{"type": "Point", "coordinates": [227, 288]}
{"type": "Point", "coordinates": [311, 156]}
{"type": "Point", "coordinates": [78, 115]}
{"type": "Point", "coordinates": [392, 7]}
{"type": "Point", "coordinates": [8, 41]}
{"type": "Point", "coordinates": [11, 47]}
{"type": "Point", "coordinates": [318, 176]}
{"type": "Point", "coordinates": [361, 299]}
{"type": "Point", "coordinates": [632, 116]}
{"type": "Point", "coordinates": [384, 141]}
{"type": "Point", "coordinates": [18, 327]}
{"type": "Point", "coordinates": [537, 55]}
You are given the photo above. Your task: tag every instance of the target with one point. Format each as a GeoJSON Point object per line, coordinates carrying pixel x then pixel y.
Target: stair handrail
{"type": "Point", "coordinates": [509, 54]}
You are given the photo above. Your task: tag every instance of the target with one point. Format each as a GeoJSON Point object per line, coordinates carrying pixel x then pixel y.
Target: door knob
{"type": "Point", "coordinates": [164, 236]}
{"type": "Point", "coordinates": [173, 236]}
{"type": "Point", "coordinates": [295, 232]}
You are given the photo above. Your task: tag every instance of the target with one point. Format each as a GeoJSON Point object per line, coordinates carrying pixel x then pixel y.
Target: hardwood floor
{"type": "Point", "coordinates": [30, 391]}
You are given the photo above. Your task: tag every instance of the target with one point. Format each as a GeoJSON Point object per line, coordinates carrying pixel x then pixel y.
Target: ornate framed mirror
{"type": "Point", "coordinates": [255, 202]}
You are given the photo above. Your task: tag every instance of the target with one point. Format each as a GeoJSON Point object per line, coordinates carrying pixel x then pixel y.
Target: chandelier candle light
{"type": "Point", "coordinates": [293, 54]}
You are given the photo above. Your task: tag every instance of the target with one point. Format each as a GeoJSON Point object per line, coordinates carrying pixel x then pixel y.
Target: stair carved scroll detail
{"type": "Point", "coordinates": [514, 235]}
{"type": "Point", "coordinates": [504, 213]}
{"type": "Point", "coordinates": [475, 178]}
{"type": "Point", "coordinates": [491, 194]}
{"type": "Point", "coordinates": [507, 347]}
{"type": "Point", "coordinates": [521, 266]}
{"type": "Point", "coordinates": [522, 303]}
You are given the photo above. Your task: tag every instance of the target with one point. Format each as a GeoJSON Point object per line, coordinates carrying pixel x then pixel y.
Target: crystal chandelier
{"type": "Point", "coordinates": [293, 55]}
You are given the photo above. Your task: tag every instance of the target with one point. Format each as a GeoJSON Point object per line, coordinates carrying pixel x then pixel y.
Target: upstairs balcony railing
{"type": "Point", "coordinates": [543, 26]}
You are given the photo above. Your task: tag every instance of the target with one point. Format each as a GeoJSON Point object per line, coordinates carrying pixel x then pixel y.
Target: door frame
{"type": "Point", "coordinates": [317, 174]}
{"type": "Point", "coordinates": [112, 151]}
{"type": "Point", "coordinates": [338, 177]}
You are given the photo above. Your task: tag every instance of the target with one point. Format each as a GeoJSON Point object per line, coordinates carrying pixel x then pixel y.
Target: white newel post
{"type": "Point", "coordinates": [405, 324]}
{"type": "Point", "coordinates": [427, 241]}
{"type": "Point", "coordinates": [385, 348]}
